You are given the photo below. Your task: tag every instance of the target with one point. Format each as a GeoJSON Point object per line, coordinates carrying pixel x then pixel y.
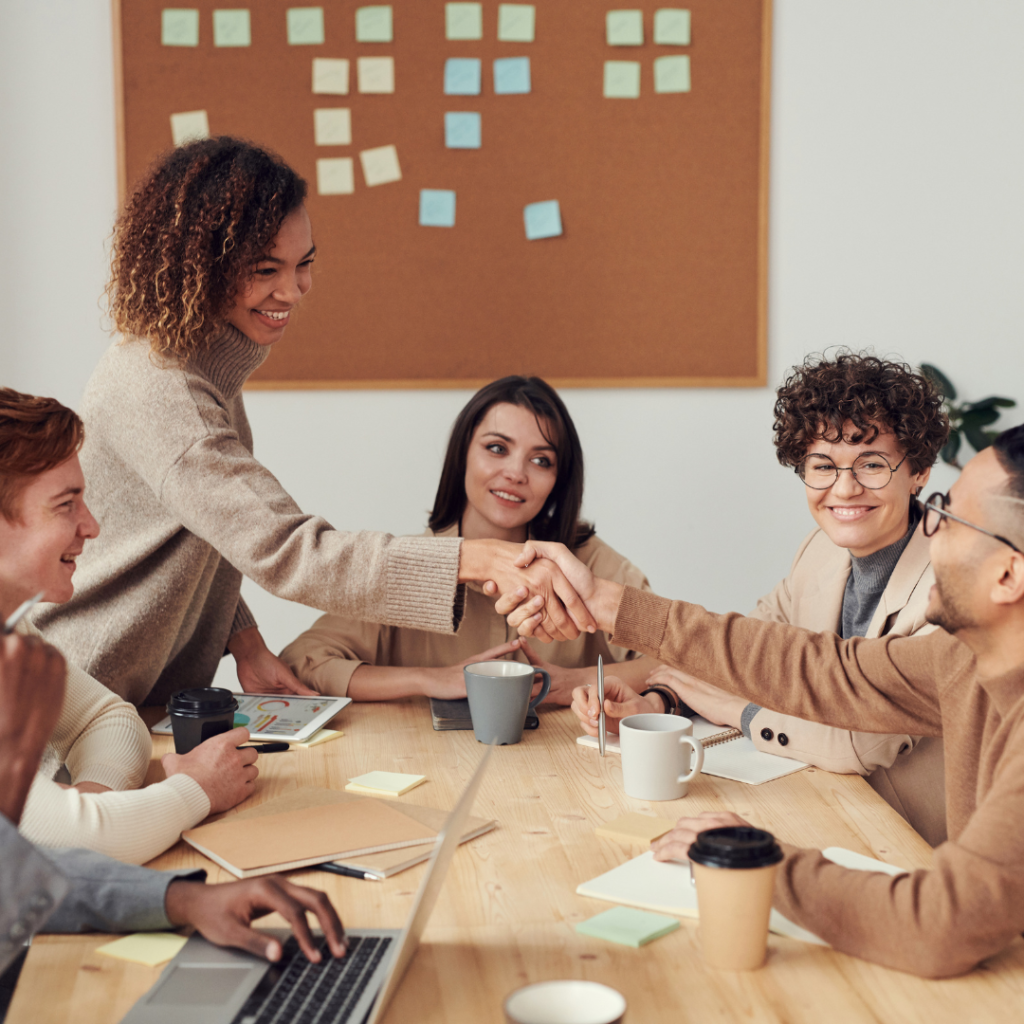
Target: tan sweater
{"type": "Point", "coordinates": [186, 510]}
{"type": "Point", "coordinates": [970, 903]}
{"type": "Point", "coordinates": [326, 655]}
{"type": "Point", "coordinates": [100, 738]}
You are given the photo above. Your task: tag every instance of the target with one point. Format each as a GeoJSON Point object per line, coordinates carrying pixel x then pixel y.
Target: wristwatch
{"type": "Point", "coordinates": [668, 698]}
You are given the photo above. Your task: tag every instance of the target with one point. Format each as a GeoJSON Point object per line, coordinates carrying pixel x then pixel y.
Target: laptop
{"type": "Point", "coordinates": [207, 984]}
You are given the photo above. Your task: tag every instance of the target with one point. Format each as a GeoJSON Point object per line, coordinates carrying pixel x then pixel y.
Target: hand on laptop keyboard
{"type": "Point", "coordinates": [223, 914]}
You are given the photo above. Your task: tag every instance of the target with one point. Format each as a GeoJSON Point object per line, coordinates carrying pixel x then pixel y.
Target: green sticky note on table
{"type": "Point", "coordinates": [628, 926]}
{"type": "Point", "coordinates": [179, 26]}
{"type": "Point", "coordinates": [305, 26]}
{"type": "Point", "coordinates": [232, 28]}
{"type": "Point", "coordinates": [149, 948]}
{"type": "Point", "coordinates": [672, 74]}
{"type": "Point", "coordinates": [624, 28]}
{"type": "Point", "coordinates": [672, 27]}
{"type": "Point", "coordinates": [622, 79]}
{"type": "Point", "coordinates": [374, 25]}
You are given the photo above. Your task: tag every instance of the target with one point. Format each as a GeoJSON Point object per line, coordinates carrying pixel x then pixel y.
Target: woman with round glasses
{"type": "Point", "coordinates": [861, 434]}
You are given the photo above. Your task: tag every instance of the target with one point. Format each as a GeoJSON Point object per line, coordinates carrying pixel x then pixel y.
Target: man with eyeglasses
{"type": "Point", "coordinates": [965, 682]}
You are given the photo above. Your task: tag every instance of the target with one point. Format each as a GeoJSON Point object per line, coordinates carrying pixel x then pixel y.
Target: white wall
{"type": "Point", "coordinates": [896, 222]}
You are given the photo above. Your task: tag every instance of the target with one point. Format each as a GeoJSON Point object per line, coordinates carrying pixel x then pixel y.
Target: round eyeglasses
{"type": "Point", "coordinates": [935, 512]}
{"type": "Point", "coordinates": [870, 470]}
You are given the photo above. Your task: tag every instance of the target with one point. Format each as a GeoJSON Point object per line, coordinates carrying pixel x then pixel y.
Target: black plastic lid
{"type": "Point", "coordinates": [735, 847]}
{"type": "Point", "coordinates": [207, 700]}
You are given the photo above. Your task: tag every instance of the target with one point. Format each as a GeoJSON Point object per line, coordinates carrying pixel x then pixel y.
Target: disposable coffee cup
{"type": "Point", "coordinates": [734, 871]}
{"type": "Point", "coordinates": [565, 1002]}
{"type": "Point", "coordinates": [196, 715]}
{"type": "Point", "coordinates": [499, 698]}
{"type": "Point", "coordinates": [656, 756]}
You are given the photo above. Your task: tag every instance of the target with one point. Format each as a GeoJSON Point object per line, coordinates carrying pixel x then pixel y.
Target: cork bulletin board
{"type": "Point", "coordinates": [658, 169]}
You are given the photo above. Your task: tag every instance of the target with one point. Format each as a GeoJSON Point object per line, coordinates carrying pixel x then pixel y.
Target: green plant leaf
{"type": "Point", "coordinates": [993, 402]}
{"type": "Point", "coordinates": [978, 438]}
{"type": "Point", "coordinates": [950, 448]}
{"type": "Point", "coordinates": [940, 380]}
{"type": "Point", "coordinates": [977, 418]}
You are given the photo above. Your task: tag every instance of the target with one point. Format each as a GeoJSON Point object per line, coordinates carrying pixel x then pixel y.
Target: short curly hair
{"type": "Point", "coordinates": [820, 397]}
{"type": "Point", "coordinates": [189, 236]}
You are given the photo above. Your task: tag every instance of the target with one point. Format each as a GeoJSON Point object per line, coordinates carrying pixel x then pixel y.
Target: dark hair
{"type": "Point", "coordinates": [36, 435]}
{"type": "Point", "coordinates": [190, 234]}
{"type": "Point", "coordinates": [873, 394]}
{"type": "Point", "coordinates": [559, 519]}
{"type": "Point", "coordinates": [1009, 448]}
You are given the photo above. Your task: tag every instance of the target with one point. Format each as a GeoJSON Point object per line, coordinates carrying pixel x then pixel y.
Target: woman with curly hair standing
{"type": "Point", "coordinates": [211, 255]}
{"type": "Point", "coordinates": [862, 434]}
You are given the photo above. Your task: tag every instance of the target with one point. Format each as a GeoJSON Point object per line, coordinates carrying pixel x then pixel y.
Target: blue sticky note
{"type": "Point", "coordinates": [462, 130]}
{"type": "Point", "coordinates": [437, 208]}
{"type": "Point", "coordinates": [462, 76]}
{"type": "Point", "coordinates": [628, 926]}
{"type": "Point", "coordinates": [512, 75]}
{"type": "Point", "coordinates": [543, 220]}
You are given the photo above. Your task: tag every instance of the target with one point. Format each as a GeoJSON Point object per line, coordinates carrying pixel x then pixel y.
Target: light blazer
{"type": "Point", "coordinates": [906, 771]}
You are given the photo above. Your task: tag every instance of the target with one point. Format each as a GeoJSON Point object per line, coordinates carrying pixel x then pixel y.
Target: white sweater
{"type": "Point", "coordinates": [100, 738]}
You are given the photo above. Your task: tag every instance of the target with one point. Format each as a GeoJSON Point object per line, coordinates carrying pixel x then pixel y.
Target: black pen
{"type": "Point", "coordinates": [267, 748]}
{"type": "Point", "coordinates": [340, 869]}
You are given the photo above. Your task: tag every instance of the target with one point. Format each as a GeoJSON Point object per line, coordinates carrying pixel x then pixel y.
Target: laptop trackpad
{"type": "Point", "coordinates": [212, 985]}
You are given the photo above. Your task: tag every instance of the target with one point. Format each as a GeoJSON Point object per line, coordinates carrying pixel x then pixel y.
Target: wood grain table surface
{"type": "Point", "coordinates": [507, 912]}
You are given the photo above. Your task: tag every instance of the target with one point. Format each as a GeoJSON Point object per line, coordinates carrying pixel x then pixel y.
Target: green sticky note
{"type": "Point", "coordinates": [672, 27]}
{"type": "Point", "coordinates": [373, 25]}
{"type": "Point", "coordinates": [628, 926]}
{"type": "Point", "coordinates": [463, 21]}
{"type": "Point", "coordinates": [305, 26]}
{"type": "Point", "coordinates": [231, 28]}
{"type": "Point", "coordinates": [672, 74]}
{"type": "Point", "coordinates": [624, 28]}
{"type": "Point", "coordinates": [516, 23]}
{"type": "Point", "coordinates": [622, 79]}
{"type": "Point", "coordinates": [179, 26]}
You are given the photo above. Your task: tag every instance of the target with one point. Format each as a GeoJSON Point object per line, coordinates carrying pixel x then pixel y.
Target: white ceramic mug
{"type": "Point", "coordinates": [656, 756]}
{"type": "Point", "coordinates": [565, 1002]}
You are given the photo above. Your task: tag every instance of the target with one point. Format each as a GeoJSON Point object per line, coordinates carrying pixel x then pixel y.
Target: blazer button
{"type": "Point", "coordinates": [783, 739]}
{"type": "Point", "coordinates": [767, 734]}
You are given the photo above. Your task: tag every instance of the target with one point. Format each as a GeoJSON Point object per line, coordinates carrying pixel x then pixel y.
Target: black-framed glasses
{"type": "Point", "coordinates": [935, 511]}
{"type": "Point", "coordinates": [872, 471]}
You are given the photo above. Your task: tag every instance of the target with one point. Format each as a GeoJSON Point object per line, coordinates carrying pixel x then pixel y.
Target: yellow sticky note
{"type": "Point", "coordinates": [635, 828]}
{"type": "Point", "coordinates": [332, 126]}
{"type": "Point", "coordinates": [330, 76]}
{"type": "Point", "coordinates": [189, 125]}
{"type": "Point", "coordinates": [322, 735]}
{"type": "Point", "coordinates": [463, 21]}
{"type": "Point", "coordinates": [395, 783]}
{"type": "Point", "coordinates": [380, 165]}
{"type": "Point", "coordinates": [335, 177]}
{"type": "Point", "coordinates": [149, 948]}
{"type": "Point", "coordinates": [376, 74]}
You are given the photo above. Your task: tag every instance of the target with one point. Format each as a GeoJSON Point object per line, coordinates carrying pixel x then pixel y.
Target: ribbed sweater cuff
{"type": "Point", "coordinates": [641, 620]}
{"type": "Point", "coordinates": [192, 795]}
{"type": "Point", "coordinates": [244, 618]}
{"type": "Point", "coordinates": [423, 589]}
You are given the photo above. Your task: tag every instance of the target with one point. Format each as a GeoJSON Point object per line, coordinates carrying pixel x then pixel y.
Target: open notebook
{"type": "Point", "coordinates": [727, 754]}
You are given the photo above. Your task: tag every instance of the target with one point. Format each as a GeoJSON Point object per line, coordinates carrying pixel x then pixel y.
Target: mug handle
{"type": "Point", "coordinates": [545, 686]}
{"type": "Point", "coordinates": [698, 752]}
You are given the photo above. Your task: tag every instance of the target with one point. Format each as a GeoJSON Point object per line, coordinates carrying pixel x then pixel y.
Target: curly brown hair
{"type": "Point", "coordinates": [820, 397]}
{"type": "Point", "coordinates": [190, 235]}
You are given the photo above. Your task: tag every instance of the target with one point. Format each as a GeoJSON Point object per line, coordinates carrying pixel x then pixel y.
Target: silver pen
{"type": "Point", "coordinates": [600, 697]}
{"type": "Point", "coordinates": [21, 611]}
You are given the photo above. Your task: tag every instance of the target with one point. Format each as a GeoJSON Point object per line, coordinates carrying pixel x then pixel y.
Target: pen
{"type": "Point", "coordinates": [20, 612]}
{"type": "Point", "coordinates": [340, 869]}
{"type": "Point", "coordinates": [600, 697]}
{"type": "Point", "coordinates": [267, 748]}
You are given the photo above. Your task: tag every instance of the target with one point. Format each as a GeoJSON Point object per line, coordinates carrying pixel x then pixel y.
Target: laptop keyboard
{"type": "Point", "coordinates": [296, 991]}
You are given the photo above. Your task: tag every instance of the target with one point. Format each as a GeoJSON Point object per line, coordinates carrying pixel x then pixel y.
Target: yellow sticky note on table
{"type": "Point", "coordinates": [323, 735]}
{"type": "Point", "coordinates": [374, 24]}
{"type": "Point", "coordinates": [393, 783]}
{"type": "Point", "coordinates": [305, 26]}
{"type": "Point", "coordinates": [635, 828]}
{"type": "Point", "coordinates": [622, 79]}
{"type": "Point", "coordinates": [149, 948]}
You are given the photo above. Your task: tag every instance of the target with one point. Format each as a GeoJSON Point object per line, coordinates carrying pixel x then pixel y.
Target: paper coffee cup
{"type": "Point", "coordinates": [734, 871]}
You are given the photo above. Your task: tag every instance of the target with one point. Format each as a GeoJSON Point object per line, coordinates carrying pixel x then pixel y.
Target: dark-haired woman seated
{"type": "Point", "coordinates": [513, 469]}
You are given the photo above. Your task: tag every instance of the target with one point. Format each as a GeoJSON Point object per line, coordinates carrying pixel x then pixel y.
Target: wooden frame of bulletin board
{"type": "Point", "coordinates": [659, 275]}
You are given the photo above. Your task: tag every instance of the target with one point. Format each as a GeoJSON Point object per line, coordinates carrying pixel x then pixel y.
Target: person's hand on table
{"type": "Point", "coordinates": [712, 703]}
{"type": "Point", "coordinates": [259, 669]}
{"type": "Point", "coordinates": [32, 678]}
{"type": "Point", "coordinates": [675, 845]}
{"type": "Point", "coordinates": [223, 914]}
{"type": "Point", "coordinates": [620, 701]}
{"type": "Point", "coordinates": [564, 681]}
{"type": "Point", "coordinates": [448, 683]}
{"type": "Point", "coordinates": [227, 775]}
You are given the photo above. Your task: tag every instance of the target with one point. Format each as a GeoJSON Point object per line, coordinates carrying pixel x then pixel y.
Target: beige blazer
{"type": "Point", "coordinates": [326, 655]}
{"type": "Point", "coordinates": [907, 771]}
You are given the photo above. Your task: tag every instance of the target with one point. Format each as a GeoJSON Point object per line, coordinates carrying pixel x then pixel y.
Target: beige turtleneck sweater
{"type": "Point", "coordinates": [185, 511]}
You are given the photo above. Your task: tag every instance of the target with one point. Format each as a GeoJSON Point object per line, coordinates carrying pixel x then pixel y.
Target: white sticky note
{"type": "Point", "coordinates": [380, 165]}
{"type": "Point", "coordinates": [332, 126]}
{"type": "Point", "coordinates": [376, 74]}
{"type": "Point", "coordinates": [232, 28]}
{"type": "Point", "coordinates": [463, 21]}
{"type": "Point", "coordinates": [516, 23]}
{"type": "Point", "coordinates": [335, 176]}
{"type": "Point", "coordinates": [672, 74]}
{"type": "Point", "coordinates": [189, 125]}
{"type": "Point", "coordinates": [305, 26]}
{"type": "Point", "coordinates": [149, 948]}
{"type": "Point", "coordinates": [622, 79]}
{"type": "Point", "coordinates": [672, 26]}
{"type": "Point", "coordinates": [330, 76]}
{"type": "Point", "coordinates": [374, 24]}
{"type": "Point", "coordinates": [624, 28]}
{"type": "Point", "coordinates": [179, 26]}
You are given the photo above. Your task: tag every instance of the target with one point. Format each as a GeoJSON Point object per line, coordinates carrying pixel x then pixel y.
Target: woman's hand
{"type": "Point", "coordinates": [675, 845]}
{"type": "Point", "coordinates": [620, 701]}
{"type": "Point", "coordinates": [564, 681]}
{"type": "Point", "coordinates": [717, 706]}
{"type": "Point", "coordinates": [449, 683]}
{"type": "Point", "coordinates": [260, 670]}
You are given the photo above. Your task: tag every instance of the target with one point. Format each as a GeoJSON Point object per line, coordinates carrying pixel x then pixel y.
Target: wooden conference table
{"type": "Point", "coordinates": [506, 915]}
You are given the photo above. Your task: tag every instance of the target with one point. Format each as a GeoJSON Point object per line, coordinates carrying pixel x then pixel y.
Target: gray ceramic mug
{"type": "Point", "coordinates": [499, 698]}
